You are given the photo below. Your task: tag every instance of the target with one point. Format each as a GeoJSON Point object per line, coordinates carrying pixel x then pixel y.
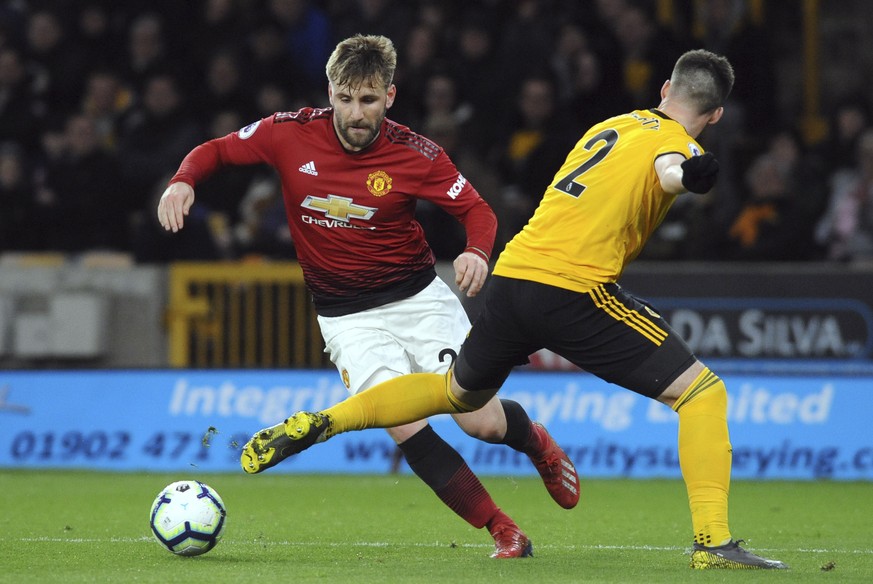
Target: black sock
{"type": "Point", "coordinates": [431, 458]}
{"type": "Point", "coordinates": [447, 474]}
{"type": "Point", "coordinates": [518, 425]}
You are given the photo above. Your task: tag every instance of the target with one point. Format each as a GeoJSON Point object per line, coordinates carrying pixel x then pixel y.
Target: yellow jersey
{"type": "Point", "coordinates": [602, 205]}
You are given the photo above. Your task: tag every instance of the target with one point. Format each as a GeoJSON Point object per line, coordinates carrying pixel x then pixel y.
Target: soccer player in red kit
{"type": "Point", "coordinates": [350, 180]}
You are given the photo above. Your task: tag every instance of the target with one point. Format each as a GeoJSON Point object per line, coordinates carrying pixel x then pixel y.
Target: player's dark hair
{"type": "Point", "coordinates": [704, 78]}
{"type": "Point", "coordinates": [361, 59]}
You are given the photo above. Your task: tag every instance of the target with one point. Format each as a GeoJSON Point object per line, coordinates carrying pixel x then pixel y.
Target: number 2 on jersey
{"type": "Point", "coordinates": [606, 140]}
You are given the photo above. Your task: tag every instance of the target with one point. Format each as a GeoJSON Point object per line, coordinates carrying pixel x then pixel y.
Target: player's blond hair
{"type": "Point", "coordinates": [703, 78]}
{"type": "Point", "coordinates": [362, 59]}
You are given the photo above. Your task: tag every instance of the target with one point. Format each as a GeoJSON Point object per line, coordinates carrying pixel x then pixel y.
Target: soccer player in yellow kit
{"type": "Point", "coordinates": [554, 287]}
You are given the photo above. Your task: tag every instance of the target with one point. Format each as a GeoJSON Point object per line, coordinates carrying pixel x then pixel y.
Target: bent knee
{"type": "Point", "coordinates": [491, 434]}
{"type": "Point", "coordinates": [487, 423]}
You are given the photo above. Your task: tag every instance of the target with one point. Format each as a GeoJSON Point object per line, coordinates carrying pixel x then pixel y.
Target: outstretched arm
{"type": "Point", "coordinates": [201, 163]}
{"type": "Point", "coordinates": [178, 197]}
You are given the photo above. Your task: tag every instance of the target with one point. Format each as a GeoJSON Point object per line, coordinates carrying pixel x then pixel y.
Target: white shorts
{"type": "Point", "coordinates": [420, 334]}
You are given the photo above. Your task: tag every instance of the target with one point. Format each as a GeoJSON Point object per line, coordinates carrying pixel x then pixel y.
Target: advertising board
{"type": "Point", "coordinates": [783, 425]}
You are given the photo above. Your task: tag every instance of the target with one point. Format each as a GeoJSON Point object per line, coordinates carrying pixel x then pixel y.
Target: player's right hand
{"type": "Point", "coordinates": [174, 206]}
{"type": "Point", "coordinates": [699, 173]}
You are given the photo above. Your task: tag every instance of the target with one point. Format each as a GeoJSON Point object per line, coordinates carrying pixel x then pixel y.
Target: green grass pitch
{"type": "Point", "coordinates": [66, 526]}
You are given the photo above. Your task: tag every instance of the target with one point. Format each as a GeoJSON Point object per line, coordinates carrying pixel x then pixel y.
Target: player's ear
{"type": "Point", "coordinates": [664, 89]}
{"type": "Point", "coordinates": [392, 93]}
{"type": "Point", "coordinates": [716, 115]}
{"type": "Point", "coordinates": [330, 92]}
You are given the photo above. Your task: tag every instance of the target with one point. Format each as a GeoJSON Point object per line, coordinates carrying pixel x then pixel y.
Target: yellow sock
{"type": "Point", "coordinates": [705, 456]}
{"type": "Point", "coordinates": [395, 402]}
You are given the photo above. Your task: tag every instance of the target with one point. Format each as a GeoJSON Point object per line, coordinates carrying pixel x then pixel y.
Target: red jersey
{"type": "Point", "coordinates": [351, 214]}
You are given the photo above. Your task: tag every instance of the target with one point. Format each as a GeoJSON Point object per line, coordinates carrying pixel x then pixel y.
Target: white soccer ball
{"type": "Point", "coordinates": [188, 518]}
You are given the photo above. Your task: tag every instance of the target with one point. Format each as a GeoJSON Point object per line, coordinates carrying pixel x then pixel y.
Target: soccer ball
{"type": "Point", "coordinates": [188, 518]}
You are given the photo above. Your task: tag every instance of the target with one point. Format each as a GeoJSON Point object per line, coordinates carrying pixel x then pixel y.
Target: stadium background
{"type": "Point", "coordinates": [124, 348]}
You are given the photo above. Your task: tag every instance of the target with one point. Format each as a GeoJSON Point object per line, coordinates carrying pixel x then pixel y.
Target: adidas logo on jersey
{"type": "Point", "coordinates": [309, 168]}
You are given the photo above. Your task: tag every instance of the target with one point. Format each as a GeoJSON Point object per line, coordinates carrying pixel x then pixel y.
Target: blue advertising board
{"type": "Point", "coordinates": [783, 426]}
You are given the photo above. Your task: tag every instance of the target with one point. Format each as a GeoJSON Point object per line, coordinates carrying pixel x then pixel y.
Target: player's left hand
{"type": "Point", "coordinates": [699, 173]}
{"type": "Point", "coordinates": [471, 270]}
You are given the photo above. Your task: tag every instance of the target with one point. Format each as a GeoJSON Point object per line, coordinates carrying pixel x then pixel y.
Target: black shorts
{"type": "Point", "coordinates": [606, 331]}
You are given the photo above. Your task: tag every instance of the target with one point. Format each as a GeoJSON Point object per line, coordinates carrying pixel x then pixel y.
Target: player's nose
{"type": "Point", "coordinates": [357, 114]}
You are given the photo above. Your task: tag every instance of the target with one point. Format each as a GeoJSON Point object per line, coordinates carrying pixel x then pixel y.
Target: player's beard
{"type": "Point", "coordinates": [360, 139]}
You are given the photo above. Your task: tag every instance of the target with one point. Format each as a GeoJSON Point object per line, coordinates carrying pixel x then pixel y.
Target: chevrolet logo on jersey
{"type": "Point", "coordinates": [338, 208]}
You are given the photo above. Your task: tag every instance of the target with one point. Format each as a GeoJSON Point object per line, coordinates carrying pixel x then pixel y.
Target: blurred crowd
{"type": "Point", "coordinates": [100, 100]}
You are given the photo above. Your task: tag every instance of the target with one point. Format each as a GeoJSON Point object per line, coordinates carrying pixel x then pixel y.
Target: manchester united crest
{"type": "Point", "coordinates": [379, 183]}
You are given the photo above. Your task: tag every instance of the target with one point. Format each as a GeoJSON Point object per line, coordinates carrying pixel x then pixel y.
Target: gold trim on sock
{"type": "Point", "coordinates": [704, 381]}
{"type": "Point", "coordinates": [461, 407]}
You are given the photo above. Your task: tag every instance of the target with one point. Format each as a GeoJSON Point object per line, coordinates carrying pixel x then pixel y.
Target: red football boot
{"type": "Point", "coordinates": [556, 469]}
{"type": "Point", "coordinates": [509, 540]}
